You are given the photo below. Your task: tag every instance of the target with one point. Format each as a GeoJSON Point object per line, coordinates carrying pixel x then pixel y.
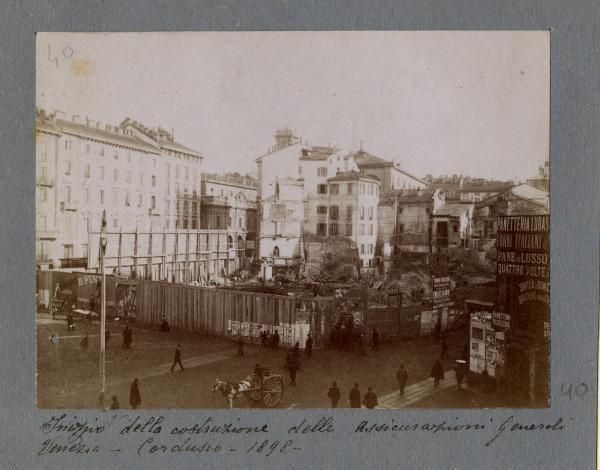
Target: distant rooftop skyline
{"type": "Point", "coordinates": [475, 103]}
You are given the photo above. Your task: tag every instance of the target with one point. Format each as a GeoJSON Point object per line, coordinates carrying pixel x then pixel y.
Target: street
{"type": "Point", "coordinates": [68, 377]}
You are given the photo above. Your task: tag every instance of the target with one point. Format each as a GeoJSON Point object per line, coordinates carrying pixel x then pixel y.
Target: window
{"type": "Point", "coordinates": [87, 195]}
{"type": "Point", "coordinates": [322, 171]}
{"type": "Point", "coordinates": [68, 251]}
{"type": "Point", "coordinates": [115, 198]}
{"type": "Point", "coordinates": [44, 172]}
{"type": "Point", "coordinates": [43, 195]}
{"type": "Point", "coordinates": [321, 230]}
{"type": "Point", "coordinates": [371, 189]}
{"type": "Point", "coordinates": [362, 249]}
{"type": "Point", "coordinates": [334, 212]}
{"type": "Point", "coordinates": [68, 193]}
{"type": "Point", "coordinates": [127, 200]}
{"type": "Point", "coordinates": [455, 227]}
{"type": "Point", "coordinates": [335, 189]}
{"type": "Point", "coordinates": [370, 248]}
{"type": "Point", "coordinates": [276, 251]}
{"type": "Point", "coordinates": [140, 201]}
{"type": "Point", "coordinates": [86, 173]}
{"type": "Point", "coordinates": [67, 167]}
{"type": "Point", "coordinates": [153, 202]}
{"type": "Point", "coordinates": [348, 230]}
{"type": "Point", "coordinates": [370, 229]}
{"type": "Point", "coordinates": [370, 213]}
{"type": "Point", "coordinates": [101, 172]}
{"type": "Point", "coordinates": [400, 210]}
{"type": "Point", "coordinates": [167, 207]}
{"type": "Point", "coordinates": [115, 223]}
{"type": "Point", "coordinates": [116, 175]}
{"type": "Point", "coordinates": [168, 170]}
{"type": "Point", "coordinates": [321, 209]}
{"type": "Point", "coordinates": [362, 212]}
{"type": "Point", "coordinates": [67, 145]}
{"type": "Point", "coordinates": [153, 181]}
{"type": "Point", "coordinates": [349, 212]}
{"type": "Point", "coordinates": [102, 196]}
{"type": "Point", "coordinates": [116, 155]}
{"type": "Point", "coordinates": [41, 223]}
{"type": "Point", "coordinates": [322, 189]}
{"type": "Point", "coordinates": [84, 250]}
{"type": "Point", "coordinates": [349, 188]}
{"type": "Point", "coordinates": [299, 170]}
{"type": "Point", "coordinates": [362, 229]}
{"type": "Point", "coordinates": [333, 229]}
{"type": "Point", "coordinates": [401, 228]}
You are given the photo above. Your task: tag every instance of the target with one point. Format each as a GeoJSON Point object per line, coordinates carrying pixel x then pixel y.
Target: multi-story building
{"type": "Point", "coordinates": [352, 211]}
{"type": "Point", "coordinates": [133, 173]}
{"type": "Point", "coordinates": [389, 172]}
{"type": "Point", "coordinates": [229, 203]}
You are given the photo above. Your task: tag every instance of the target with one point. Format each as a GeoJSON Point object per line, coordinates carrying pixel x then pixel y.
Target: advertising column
{"type": "Point", "coordinates": [523, 269]}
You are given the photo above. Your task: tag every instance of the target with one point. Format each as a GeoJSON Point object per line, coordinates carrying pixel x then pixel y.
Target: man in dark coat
{"type": "Point", "coordinates": [370, 399]}
{"type": "Point", "coordinates": [135, 398]}
{"type": "Point", "coordinates": [402, 376]}
{"type": "Point", "coordinates": [276, 339]}
{"type": "Point", "coordinates": [334, 395]}
{"type": "Point", "coordinates": [240, 346]}
{"type": "Point", "coordinates": [437, 372]}
{"type": "Point", "coordinates": [291, 364]}
{"type": "Point", "coordinates": [354, 397]}
{"type": "Point", "coordinates": [309, 345]}
{"type": "Point", "coordinates": [296, 350]}
{"type": "Point", "coordinates": [177, 359]}
{"type": "Point", "coordinates": [127, 337]}
{"type": "Point", "coordinates": [375, 339]}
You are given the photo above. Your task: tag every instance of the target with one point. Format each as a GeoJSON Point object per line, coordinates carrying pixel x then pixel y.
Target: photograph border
{"type": "Point", "coordinates": [574, 198]}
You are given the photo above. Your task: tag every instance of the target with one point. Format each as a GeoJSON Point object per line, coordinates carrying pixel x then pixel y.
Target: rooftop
{"type": "Point", "coordinates": [352, 176]}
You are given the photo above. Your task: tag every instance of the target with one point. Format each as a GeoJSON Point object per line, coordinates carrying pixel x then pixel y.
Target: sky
{"type": "Point", "coordinates": [475, 103]}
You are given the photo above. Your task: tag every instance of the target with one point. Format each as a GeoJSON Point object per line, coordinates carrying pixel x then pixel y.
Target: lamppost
{"type": "Point", "coordinates": [103, 240]}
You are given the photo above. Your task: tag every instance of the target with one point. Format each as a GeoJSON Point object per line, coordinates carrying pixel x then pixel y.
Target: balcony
{"type": "Point", "coordinates": [73, 262]}
{"type": "Point", "coordinates": [68, 206]}
{"type": "Point", "coordinates": [45, 181]}
{"type": "Point", "coordinates": [46, 234]}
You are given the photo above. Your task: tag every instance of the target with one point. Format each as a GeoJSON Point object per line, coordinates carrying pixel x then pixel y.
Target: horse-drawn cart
{"type": "Point", "coordinates": [268, 390]}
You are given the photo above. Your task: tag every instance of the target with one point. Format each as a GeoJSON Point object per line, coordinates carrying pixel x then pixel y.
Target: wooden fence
{"type": "Point", "coordinates": [225, 312]}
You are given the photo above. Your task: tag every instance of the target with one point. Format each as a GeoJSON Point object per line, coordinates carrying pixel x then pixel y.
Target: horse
{"type": "Point", "coordinates": [232, 390]}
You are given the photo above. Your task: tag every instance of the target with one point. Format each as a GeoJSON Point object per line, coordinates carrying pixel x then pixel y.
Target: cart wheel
{"type": "Point", "coordinates": [272, 391]}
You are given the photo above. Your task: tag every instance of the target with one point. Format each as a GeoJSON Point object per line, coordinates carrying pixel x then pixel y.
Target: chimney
{"type": "Point", "coordinates": [284, 137]}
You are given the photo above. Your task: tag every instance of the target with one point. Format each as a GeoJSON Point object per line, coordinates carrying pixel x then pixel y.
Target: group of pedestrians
{"type": "Point", "coordinates": [369, 400]}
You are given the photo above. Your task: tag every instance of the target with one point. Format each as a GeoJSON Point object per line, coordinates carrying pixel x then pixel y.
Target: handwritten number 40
{"type": "Point", "coordinates": [579, 391]}
{"type": "Point", "coordinates": [67, 53]}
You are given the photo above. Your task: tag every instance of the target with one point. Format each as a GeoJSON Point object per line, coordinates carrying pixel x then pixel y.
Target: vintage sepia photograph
{"type": "Point", "coordinates": [292, 220]}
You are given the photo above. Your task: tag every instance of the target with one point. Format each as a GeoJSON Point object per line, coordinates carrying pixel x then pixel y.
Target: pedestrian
{"type": "Point", "coordinates": [114, 404]}
{"type": "Point", "coordinates": [354, 397]}
{"type": "Point", "coordinates": [375, 339]}
{"type": "Point", "coordinates": [240, 346]}
{"type": "Point", "coordinates": [177, 359]}
{"type": "Point", "coordinates": [402, 377]}
{"type": "Point", "coordinates": [437, 372]}
{"type": "Point", "coordinates": [135, 398]}
{"type": "Point", "coordinates": [460, 373]}
{"type": "Point", "coordinates": [106, 336]}
{"type": "Point", "coordinates": [291, 364]}
{"type": "Point", "coordinates": [296, 350]}
{"type": "Point", "coordinates": [309, 345]}
{"type": "Point", "coordinates": [444, 353]}
{"type": "Point", "coordinates": [70, 323]}
{"type": "Point", "coordinates": [276, 339]}
{"type": "Point", "coordinates": [370, 399]}
{"type": "Point", "coordinates": [127, 337]}
{"type": "Point", "coordinates": [85, 341]}
{"type": "Point", "coordinates": [334, 395]}
{"type": "Point", "coordinates": [263, 339]}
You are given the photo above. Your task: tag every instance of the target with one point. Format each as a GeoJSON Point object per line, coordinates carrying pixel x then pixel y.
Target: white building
{"type": "Point", "coordinates": [84, 167]}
